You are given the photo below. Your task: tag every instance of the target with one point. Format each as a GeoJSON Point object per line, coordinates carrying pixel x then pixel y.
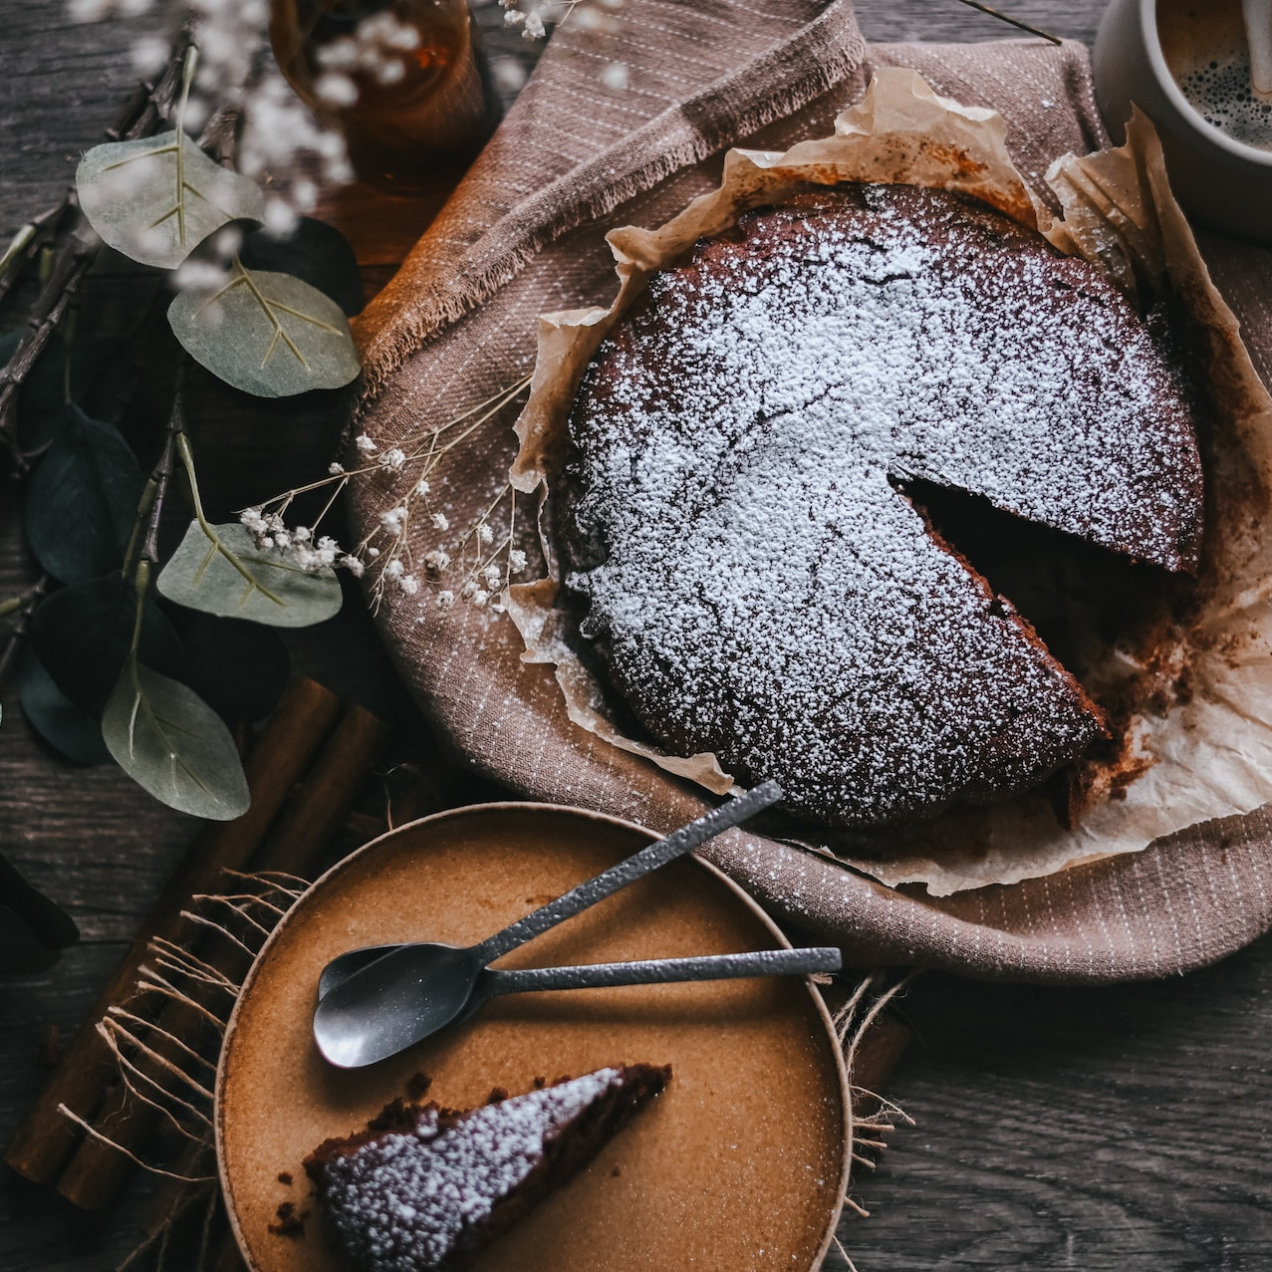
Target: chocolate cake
{"type": "Point", "coordinates": [427, 1189]}
{"type": "Point", "coordinates": [733, 516]}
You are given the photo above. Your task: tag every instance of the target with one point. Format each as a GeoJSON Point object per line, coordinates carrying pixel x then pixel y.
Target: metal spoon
{"type": "Point", "coordinates": [494, 982]}
{"type": "Point", "coordinates": [376, 1010]}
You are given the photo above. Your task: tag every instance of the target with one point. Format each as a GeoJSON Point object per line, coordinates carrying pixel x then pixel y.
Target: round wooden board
{"type": "Point", "coordinates": [741, 1163]}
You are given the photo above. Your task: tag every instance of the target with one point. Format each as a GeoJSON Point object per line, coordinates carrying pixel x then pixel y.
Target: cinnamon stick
{"type": "Point", "coordinates": [319, 809]}
{"type": "Point", "coordinates": [45, 1139]}
{"type": "Point", "coordinates": [313, 814]}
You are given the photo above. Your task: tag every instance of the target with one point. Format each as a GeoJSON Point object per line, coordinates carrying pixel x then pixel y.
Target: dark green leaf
{"type": "Point", "coordinates": [239, 669]}
{"type": "Point", "coordinates": [268, 334]}
{"type": "Point", "coordinates": [68, 729]}
{"type": "Point", "coordinates": [41, 408]}
{"type": "Point", "coordinates": [82, 500]}
{"type": "Point", "coordinates": [157, 198]}
{"type": "Point", "coordinates": [47, 921]}
{"type": "Point", "coordinates": [22, 953]}
{"type": "Point", "coordinates": [314, 252]}
{"type": "Point", "coordinates": [82, 634]}
{"type": "Point", "coordinates": [258, 584]}
{"type": "Point", "coordinates": [172, 744]}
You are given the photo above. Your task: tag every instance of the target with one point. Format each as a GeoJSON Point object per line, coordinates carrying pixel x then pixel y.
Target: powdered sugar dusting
{"type": "Point", "coordinates": [757, 582]}
{"type": "Point", "coordinates": [401, 1201]}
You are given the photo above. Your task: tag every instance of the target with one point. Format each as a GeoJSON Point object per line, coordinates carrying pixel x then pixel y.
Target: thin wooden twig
{"type": "Point", "coordinates": [1016, 22]}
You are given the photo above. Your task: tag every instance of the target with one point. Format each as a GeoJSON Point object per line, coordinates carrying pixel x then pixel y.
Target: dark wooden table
{"type": "Point", "coordinates": [1127, 1128]}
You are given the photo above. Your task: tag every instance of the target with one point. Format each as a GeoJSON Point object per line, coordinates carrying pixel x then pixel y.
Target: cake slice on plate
{"type": "Point", "coordinates": [427, 1189]}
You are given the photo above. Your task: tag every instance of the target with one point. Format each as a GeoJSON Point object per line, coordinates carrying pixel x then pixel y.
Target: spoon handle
{"type": "Point", "coordinates": [659, 970]}
{"type": "Point", "coordinates": [635, 867]}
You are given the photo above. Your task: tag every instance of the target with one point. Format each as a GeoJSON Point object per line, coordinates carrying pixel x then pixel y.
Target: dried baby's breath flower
{"type": "Point", "coordinates": [481, 558]}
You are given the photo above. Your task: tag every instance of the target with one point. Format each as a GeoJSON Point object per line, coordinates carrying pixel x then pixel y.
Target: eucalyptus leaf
{"type": "Point", "coordinates": [82, 635]}
{"type": "Point", "coordinates": [240, 580]}
{"type": "Point", "coordinates": [173, 745]}
{"type": "Point", "coordinates": [41, 408]}
{"type": "Point", "coordinates": [157, 198]}
{"type": "Point", "coordinates": [22, 953]}
{"type": "Point", "coordinates": [268, 334]}
{"type": "Point", "coordinates": [33, 927]}
{"type": "Point", "coordinates": [67, 728]}
{"type": "Point", "coordinates": [82, 500]}
{"type": "Point", "coordinates": [239, 669]}
{"type": "Point", "coordinates": [314, 252]}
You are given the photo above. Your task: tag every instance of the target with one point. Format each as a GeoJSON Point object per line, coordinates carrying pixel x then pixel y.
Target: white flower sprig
{"type": "Point", "coordinates": [476, 568]}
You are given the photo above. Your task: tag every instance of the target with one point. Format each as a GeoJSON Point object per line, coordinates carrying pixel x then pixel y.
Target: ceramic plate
{"type": "Point", "coordinates": [741, 1163]}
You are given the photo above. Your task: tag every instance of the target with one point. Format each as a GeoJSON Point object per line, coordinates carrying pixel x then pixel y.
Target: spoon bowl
{"type": "Point", "coordinates": [425, 987]}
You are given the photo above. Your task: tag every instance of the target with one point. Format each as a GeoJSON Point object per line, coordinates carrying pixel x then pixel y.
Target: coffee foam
{"type": "Point", "coordinates": [1220, 92]}
{"type": "Point", "coordinates": [1206, 49]}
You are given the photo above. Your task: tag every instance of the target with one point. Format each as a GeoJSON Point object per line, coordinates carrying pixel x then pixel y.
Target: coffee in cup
{"type": "Point", "coordinates": [1208, 51]}
{"type": "Point", "coordinates": [1222, 183]}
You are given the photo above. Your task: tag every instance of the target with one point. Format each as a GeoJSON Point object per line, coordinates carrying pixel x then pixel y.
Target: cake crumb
{"type": "Point", "coordinates": [497, 1095]}
{"type": "Point", "coordinates": [285, 1177]}
{"type": "Point", "coordinates": [417, 1087]}
{"type": "Point", "coordinates": [290, 1222]}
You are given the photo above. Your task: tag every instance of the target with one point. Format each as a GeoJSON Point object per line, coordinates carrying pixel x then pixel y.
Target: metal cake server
{"type": "Point", "coordinates": [373, 1002]}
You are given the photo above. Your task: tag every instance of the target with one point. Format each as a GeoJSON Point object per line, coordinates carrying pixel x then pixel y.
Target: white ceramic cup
{"type": "Point", "coordinates": [1220, 183]}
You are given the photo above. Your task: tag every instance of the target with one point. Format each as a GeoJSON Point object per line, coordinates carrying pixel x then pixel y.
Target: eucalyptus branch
{"type": "Point", "coordinates": [139, 116]}
{"type": "Point", "coordinates": [162, 476]}
{"type": "Point", "coordinates": [24, 606]}
{"type": "Point", "coordinates": [143, 542]}
{"type": "Point", "coordinates": [56, 298]}
{"type": "Point", "coordinates": [142, 115]}
{"type": "Point", "coordinates": [31, 240]}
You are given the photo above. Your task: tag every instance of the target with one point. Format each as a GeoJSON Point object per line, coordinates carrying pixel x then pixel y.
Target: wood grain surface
{"type": "Point", "coordinates": [1126, 1128]}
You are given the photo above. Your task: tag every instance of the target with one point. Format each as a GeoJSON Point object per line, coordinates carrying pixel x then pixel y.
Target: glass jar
{"type": "Point", "coordinates": [403, 80]}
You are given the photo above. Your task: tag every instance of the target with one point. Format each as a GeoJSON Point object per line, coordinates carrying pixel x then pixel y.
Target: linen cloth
{"type": "Point", "coordinates": [524, 235]}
